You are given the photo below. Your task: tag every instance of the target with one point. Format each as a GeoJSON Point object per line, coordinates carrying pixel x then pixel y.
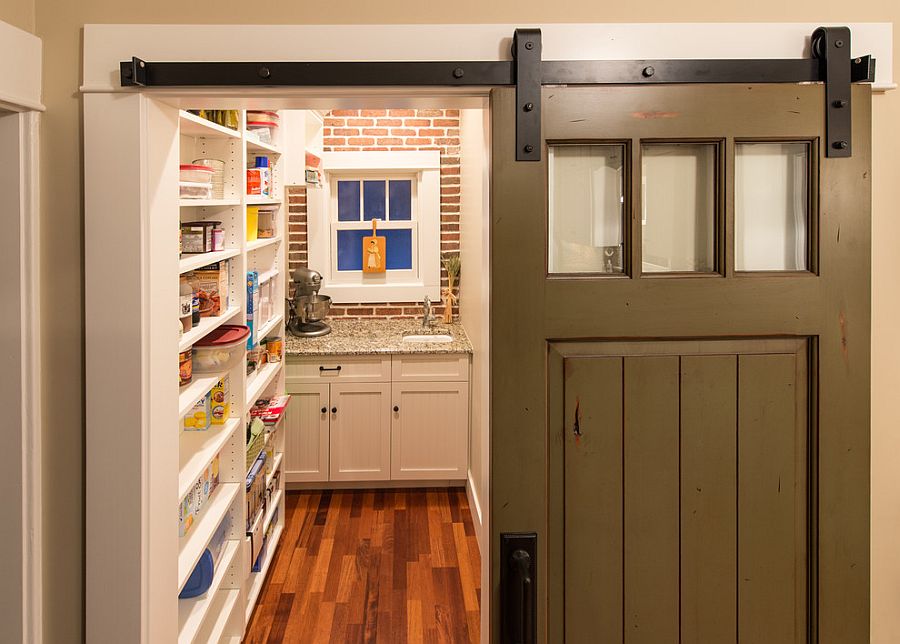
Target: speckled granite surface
{"type": "Point", "coordinates": [367, 337]}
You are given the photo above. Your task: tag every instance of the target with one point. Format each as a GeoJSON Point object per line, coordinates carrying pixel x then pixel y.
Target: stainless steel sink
{"type": "Point", "coordinates": [428, 337]}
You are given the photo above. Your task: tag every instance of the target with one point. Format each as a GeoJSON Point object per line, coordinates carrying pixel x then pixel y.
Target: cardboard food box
{"type": "Point", "coordinates": [212, 285]}
{"type": "Point", "coordinates": [199, 418]}
{"type": "Point", "coordinates": [220, 406]}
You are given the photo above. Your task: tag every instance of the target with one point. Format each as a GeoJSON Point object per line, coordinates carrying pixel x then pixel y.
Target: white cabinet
{"type": "Point", "coordinates": [377, 418]}
{"type": "Point", "coordinates": [429, 432]}
{"type": "Point", "coordinates": [306, 434]}
{"type": "Point", "coordinates": [360, 432]}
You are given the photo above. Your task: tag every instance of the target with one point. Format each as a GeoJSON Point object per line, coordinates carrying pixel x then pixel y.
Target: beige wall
{"type": "Point", "coordinates": [59, 23]}
{"type": "Point", "coordinates": [18, 13]}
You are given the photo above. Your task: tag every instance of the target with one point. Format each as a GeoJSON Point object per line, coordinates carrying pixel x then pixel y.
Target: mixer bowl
{"type": "Point", "coordinates": [314, 308]}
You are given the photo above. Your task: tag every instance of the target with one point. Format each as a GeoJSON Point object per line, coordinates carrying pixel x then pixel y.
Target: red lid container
{"type": "Point", "coordinates": [225, 336]}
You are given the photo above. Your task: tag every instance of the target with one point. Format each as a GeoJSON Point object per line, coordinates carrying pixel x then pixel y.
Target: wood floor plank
{"type": "Point", "coordinates": [382, 566]}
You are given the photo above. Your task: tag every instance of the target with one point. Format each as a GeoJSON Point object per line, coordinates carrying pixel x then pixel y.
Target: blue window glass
{"type": "Point", "coordinates": [373, 200]}
{"type": "Point", "coordinates": [400, 200]}
{"type": "Point", "coordinates": [398, 248]}
{"type": "Point", "coordinates": [348, 200]}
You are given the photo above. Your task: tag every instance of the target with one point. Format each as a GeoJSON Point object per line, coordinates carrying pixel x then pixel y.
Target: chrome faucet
{"type": "Point", "coordinates": [427, 315]}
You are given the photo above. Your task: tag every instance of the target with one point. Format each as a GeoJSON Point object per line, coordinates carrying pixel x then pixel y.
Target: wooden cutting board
{"type": "Point", "coordinates": [373, 251]}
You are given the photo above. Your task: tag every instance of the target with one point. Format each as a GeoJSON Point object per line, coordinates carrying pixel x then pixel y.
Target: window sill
{"type": "Point", "coordinates": [376, 293]}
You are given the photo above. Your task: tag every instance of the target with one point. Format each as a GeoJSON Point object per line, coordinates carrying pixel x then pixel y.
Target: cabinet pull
{"type": "Point", "coordinates": [324, 410]}
{"type": "Point", "coordinates": [334, 410]}
{"type": "Point", "coordinates": [396, 408]}
{"type": "Point", "coordinates": [337, 368]}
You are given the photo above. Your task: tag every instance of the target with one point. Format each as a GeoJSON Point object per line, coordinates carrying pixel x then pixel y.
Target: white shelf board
{"type": "Point", "coordinates": [206, 325]}
{"type": "Point", "coordinates": [227, 599]}
{"type": "Point", "coordinates": [193, 392]}
{"type": "Point", "coordinates": [193, 125]}
{"type": "Point", "coordinates": [269, 326]}
{"type": "Point", "coordinates": [276, 464]}
{"type": "Point", "coordinates": [270, 511]}
{"type": "Point", "coordinates": [193, 612]}
{"type": "Point", "coordinates": [258, 383]}
{"type": "Point", "coordinates": [267, 275]}
{"type": "Point", "coordinates": [257, 578]}
{"type": "Point", "coordinates": [193, 262]}
{"type": "Point", "coordinates": [208, 203]}
{"type": "Point", "coordinates": [197, 449]}
{"type": "Point", "coordinates": [259, 200]}
{"type": "Point", "coordinates": [256, 244]}
{"type": "Point", "coordinates": [254, 144]}
{"type": "Point", "coordinates": [192, 545]}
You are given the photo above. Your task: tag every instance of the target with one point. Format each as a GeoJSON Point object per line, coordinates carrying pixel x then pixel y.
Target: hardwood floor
{"type": "Point", "coordinates": [393, 566]}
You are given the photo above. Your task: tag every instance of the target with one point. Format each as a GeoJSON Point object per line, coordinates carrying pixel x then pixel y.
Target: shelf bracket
{"type": "Point", "coordinates": [526, 51]}
{"type": "Point", "coordinates": [831, 46]}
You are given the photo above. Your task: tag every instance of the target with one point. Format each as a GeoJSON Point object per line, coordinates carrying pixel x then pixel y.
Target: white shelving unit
{"type": "Point", "coordinates": [136, 402]}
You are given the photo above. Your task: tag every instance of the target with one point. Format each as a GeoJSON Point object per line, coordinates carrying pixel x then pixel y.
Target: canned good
{"type": "Point", "coordinates": [218, 239]}
{"type": "Point", "coordinates": [185, 367]}
{"type": "Point", "coordinates": [274, 348]}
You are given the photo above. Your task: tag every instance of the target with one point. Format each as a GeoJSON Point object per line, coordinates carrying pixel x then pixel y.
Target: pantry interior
{"type": "Point", "coordinates": [246, 176]}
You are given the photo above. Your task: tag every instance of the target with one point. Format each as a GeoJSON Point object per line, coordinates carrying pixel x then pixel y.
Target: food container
{"type": "Point", "coordinates": [263, 130]}
{"type": "Point", "coordinates": [262, 115]}
{"type": "Point", "coordinates": [218, 239]}
{"type": "Point", "coordinates": [185, 368]}
{"type": "Point", "coordinates": [197, 236]}
{"type": "Point", "coordinates": [212, 289]}
{"type": "Point", "coordinates": [252, 222]}
{"type": "Point", "coordinates": [195, 190]}
{"type": "Point", "coordinates": [274, 349]}
{"type": "Point", "coordinates": [199, 417]}
{"type": "Point", "coordinates": [218, 176]}
{"type": "Point", "coordinates": [266, 222]}
{"type": "Point", "coordinates": [221, 401]}
{"type": "Point", "coordinates": [221, 350]}
{"type": "Point", "coordinates": [196, 173]}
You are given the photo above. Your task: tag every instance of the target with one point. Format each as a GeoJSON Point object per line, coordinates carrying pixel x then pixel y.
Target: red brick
{"type": "Point", "coordinates": [449, 199]}
{"type": "Point", "coordinates": [451, 113]}
{"type": "Point", "coordinates": [373, 113]}
{"type": "Point", "coordinates": [388, 311]}
{"type": "Point", "coordinates": [390, 141]}
{"type": "Point", "coordinates": [431, 132]}
{"type": "Point", "coordinates": [446, 141]}
{"type": "Point", "coordinates": [453, 132]}
{"type": "Point", "coordinates": [450, 190]}
{"type": "Point", "coordinates": [345, 113]}
{"type": "Point", "coordinates": [333, 141]}
{"type": "Point", "coordinates": [360, 311]}
{"type": "Point", "coordinates": [449, 228]}
{"type": "Point", "coordinates": [375, 148]}
{"type": "Point", "coordinates": [446, 122]}
{"type": "Point", "coordinates": [346, 131]}
{"type": "Point", "coordinates": [448, 160]}
{"type": "Point", "coordinates": [402, 148]}
{"type": "Point", "coordinates": [449, 218]}
{"type": "Point", "coordinates": [415, 141]}
{"type": "Point", "coordinates": [401, 112]}
{"type": "Point", "coordinates": [360, 122]}
{"type": "Point", "coordinates": [450, 181]}
{"type": "Point", "coordinates": [388, 122]}
{"type": "Point", "coordinates": [449, 208]}
{"type": "Point", "coordinates": [430, 113]}
{"type": "Point", "coordinates": [333, 122]}
{"type": "Point", "coordinates": [361, 141]}
{"type": "Point", "coordinates": [417, 122]}
{"type": "Point", "coordinates": [326, 131]}
{"type": "Point", "coordinates": [375, 131]}
{"type": "Point", "coordinates": [445, 170]}
{"type": "Point", "coordinates": [402, 132]}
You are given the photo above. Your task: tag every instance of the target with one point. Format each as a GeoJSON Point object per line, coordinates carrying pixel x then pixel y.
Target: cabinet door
{"type": "Point", "coordinates": [360, 432]}
{"type": "Point", "coordinates": [306, 434]}
{"type": "Point", "coordinates": [430, 430]}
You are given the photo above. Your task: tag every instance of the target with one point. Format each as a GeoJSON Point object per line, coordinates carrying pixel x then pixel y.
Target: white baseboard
{"type": "Point", "coordinates": [475, 509]}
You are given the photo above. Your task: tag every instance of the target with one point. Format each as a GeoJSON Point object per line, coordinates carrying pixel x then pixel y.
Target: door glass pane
{"type": "Point", "coordinates": [678, 184]}
{"type": "Point", "coordinates": [373, 200]}
{"type": "Point", "coordinates": [348, 200]}
{"type": "Point", "coordinates": [400, 199]}
{"type": "Point", "coordinates": [587, 195]}
{"type": "Point", "coordinates": [771, 206]}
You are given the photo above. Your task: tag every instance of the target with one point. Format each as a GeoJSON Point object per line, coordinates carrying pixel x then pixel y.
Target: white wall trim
{"type": "Point", "coordinates": [106, 45]}
{"type": "Point", "coordinates": [21, 589]}
{"type": "Point", "coordinates": [475, 510]}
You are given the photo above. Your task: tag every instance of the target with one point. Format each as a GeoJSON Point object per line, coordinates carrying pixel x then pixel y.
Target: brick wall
{"type": "Point", "coordinates": [380, 130]}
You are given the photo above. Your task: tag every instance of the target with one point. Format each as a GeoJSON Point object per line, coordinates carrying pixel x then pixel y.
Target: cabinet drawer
{"type": "Point", "coordinates": [339, 369]}
{"type": "Point", "coordinates": [430, 368]}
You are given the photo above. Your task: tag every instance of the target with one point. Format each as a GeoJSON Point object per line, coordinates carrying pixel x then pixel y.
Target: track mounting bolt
{"type": "Point", "coordinates": [648, 71]}
{"type": "Point", "coordinates": [528, 107]}
{"type": "Point", "coordinates": [264, 72]}
{"type": "Point", "coordinates": [459, 72]}
{"type": "Point", "coordinates": [839, 103]}
{"type": "Point", "coordinates": [838, 43]}
{"type": "Point", "coordinates": [529, 45]}
{"type": "Point", "coordinates": [529, 149]}
{"type": "Point", "coordinates": [839, 145]}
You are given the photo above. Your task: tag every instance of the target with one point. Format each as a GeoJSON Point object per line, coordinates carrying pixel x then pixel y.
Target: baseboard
{"type": "Point", "coordinates": [475, 510]}
{"type": "Point", "coordinates": [369, 485]}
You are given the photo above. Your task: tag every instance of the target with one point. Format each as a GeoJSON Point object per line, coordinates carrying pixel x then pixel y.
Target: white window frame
{"type": "Point", "coordinates": [424, 168]}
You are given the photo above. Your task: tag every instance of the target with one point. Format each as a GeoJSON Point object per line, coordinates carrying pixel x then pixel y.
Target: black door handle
{"type": "Point", "coordinates": [518, 588]}
{"type": "Point", "coordinates": [396, 408]}
{"type": "Point", "coordinates": [337, 368]}
{"type": "Point", "coordinates": [334, 410]}
{"type": "Point", "coordinates": [324, 410]}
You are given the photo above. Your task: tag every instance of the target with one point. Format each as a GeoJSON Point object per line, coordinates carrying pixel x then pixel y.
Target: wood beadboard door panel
{"type": "Point", "coordinates": [319, 369]}
{"type": "Point", "coordinates": [430, 368]}
{"type": "Point", "coordinates": [360, 432]}
{"type": "Point", "coordinates": [306, 434]}
{"type": "Point", "coordinates": [430, 430]}
{"type": "Point", "coordinates": [593, 503]}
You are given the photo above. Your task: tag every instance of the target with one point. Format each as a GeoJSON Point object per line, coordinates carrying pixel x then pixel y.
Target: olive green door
{"type": "Point", "coordinates": [680, 365]}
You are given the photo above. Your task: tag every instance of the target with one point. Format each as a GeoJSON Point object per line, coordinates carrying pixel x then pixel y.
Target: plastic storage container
{"type": "Point", "coordinates": [262, 115]}
{"type": "Point", "coordinates": [263, 130]}
{"type": "Point", "coordinates": [188, 190]}
{"type": "Point", "coordinates": [221, 350]}
{"type": "Point", "coordinates": [197, 236]}
{"type": "Point", "coordinates": [196, 173]}
{"type": "Point", "coordinates": [218, 176]}
{"type": "Point", "coordinates": [266, 222]}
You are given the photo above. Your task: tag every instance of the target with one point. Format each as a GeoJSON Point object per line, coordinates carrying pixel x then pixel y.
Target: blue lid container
{"type": "Point", "coordinates": [201, 578]}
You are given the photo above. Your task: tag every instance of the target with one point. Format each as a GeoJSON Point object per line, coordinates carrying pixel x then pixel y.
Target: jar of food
{"type": "Point", "coordinates": [274, 348]}
{"type": "Point", "coordinates": [185, 367]}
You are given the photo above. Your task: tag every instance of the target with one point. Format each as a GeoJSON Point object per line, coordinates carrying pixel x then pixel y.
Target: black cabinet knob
{"type": "Point", "coordinates": [396, 408]}
{"type": "Point", "coordinates": [334, 410]}
{"type": "Point", "coordinates": [324, 410]}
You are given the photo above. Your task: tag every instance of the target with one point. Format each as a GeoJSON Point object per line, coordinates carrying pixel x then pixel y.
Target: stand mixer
{"type": "Point", "coordinates": [308, 308]}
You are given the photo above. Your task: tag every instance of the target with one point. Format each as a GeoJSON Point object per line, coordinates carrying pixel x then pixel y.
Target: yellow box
{"type": "Point", "coordinates": [221, 402]}
{"type": "Point", "coordinates": [252, 222]}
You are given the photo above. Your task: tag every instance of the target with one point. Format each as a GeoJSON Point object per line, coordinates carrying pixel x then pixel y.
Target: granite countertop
{"type": "Point", "coordinates": [378, 337]}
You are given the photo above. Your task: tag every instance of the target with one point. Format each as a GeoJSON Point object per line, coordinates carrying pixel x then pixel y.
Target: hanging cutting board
{"type": "Point", "coordinates": [373, 251]}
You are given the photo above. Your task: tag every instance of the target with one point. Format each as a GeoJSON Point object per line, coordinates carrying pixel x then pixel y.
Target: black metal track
{"type": "Point", "coordinates": [481, 74]}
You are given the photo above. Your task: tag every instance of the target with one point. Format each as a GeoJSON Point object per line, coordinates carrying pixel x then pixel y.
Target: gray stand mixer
{"type": "Point", "coordinates": [308, 308]}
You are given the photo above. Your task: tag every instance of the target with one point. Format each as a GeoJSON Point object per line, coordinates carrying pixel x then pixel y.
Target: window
{"type": "Point", "coordinates": [398, 190]}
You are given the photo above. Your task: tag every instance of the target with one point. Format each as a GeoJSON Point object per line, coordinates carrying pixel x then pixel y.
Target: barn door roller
{"type": "Point", "coordinates": [830, 63]}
